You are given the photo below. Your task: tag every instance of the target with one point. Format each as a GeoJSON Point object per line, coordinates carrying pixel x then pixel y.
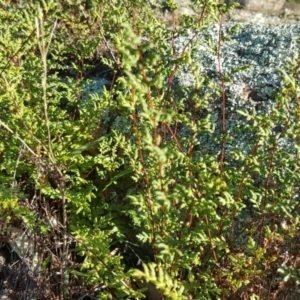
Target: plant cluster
{"type": "Point", "coordinates": [115, 187]}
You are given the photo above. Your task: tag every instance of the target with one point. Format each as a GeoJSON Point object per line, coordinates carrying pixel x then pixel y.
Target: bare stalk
{"type": "Point", "coordinates": [44, 52]}
{"type": "Point", "coordinates": [44, 48]}
{"type": "Point", "coordinates": [17, 137]}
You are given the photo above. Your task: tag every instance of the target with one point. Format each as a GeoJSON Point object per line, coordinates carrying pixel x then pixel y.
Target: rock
{"type": "Point", "coordinates": [263, 49]}
{"type": "Point", "coordinates": [247, 16]}
{"type": "Point", "coordinates": [265, 6]}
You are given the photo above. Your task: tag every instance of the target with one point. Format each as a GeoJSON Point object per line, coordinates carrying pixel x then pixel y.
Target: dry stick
{"type": "Point", "coordinates": [13, 185]}
{"type": "Point", "coordinates": [18, 138]}
{"type": "Point", "coordinates": [44, 52]}
{"type": "Point", "coordinates": [111, 51]}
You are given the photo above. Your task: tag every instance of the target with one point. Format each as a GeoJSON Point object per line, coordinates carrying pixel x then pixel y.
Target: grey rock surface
{"type": "Point", "coordinates": [264, 50]}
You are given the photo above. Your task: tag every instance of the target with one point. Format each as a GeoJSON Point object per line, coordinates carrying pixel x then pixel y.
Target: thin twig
{"type": "Point", "coordinates": [18, 138]}
{"type": "Point", "coordinates": [13, 185]}
{"type": "Point", "coordinates": [44, 52]}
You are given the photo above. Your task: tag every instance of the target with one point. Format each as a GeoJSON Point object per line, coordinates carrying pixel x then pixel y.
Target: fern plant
{"type": "Point", "coordinates": [117, 184]}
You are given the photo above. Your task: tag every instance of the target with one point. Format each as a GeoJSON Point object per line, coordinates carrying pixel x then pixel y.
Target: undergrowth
{"type": "Point", "coordinates": [118, 193]}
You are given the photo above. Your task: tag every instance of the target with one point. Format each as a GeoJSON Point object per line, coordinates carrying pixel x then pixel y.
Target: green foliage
{"type": "Point", "coordinates": [171, 288]}
{"type": "Point", "coordinates": [119, 178]}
